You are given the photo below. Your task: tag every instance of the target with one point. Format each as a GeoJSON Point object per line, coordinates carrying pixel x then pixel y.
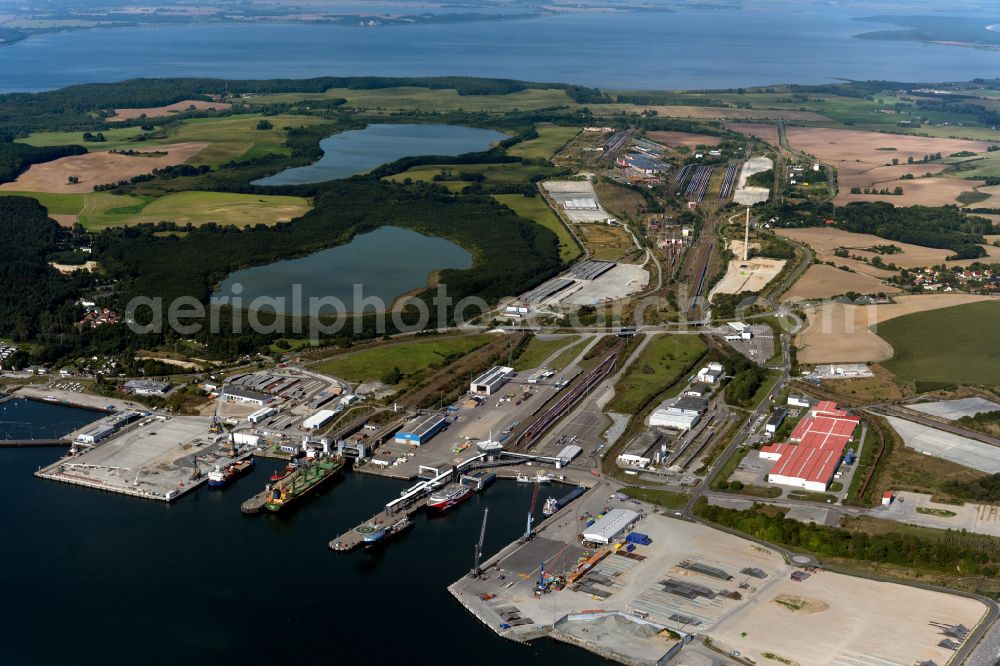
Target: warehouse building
{"type": "Point", "coordinates": [642, 163]}
{"type": "Point", "coordinates": [671, 417]}
{"type": "Point", "coordinates": [244, 396]}
{"type": "Point", "coordinates": [711, 373]}
{"type": "Point", "coordinates": [491, 381]}
{"type": "Point", "coordinates": [261, 414]}
{"type": "Point", "coordinates": [146, 387]}
{"type": "Point", "coordinates": [607, 528]}
{"type": "Point", "coordinates": [319, 419]}
{"type": "Point", "coordinates": [775, 420]}
{"type": "Point", "coordinates": [813, 460]}
{"type": "Point", "coordinates": [420, 430]}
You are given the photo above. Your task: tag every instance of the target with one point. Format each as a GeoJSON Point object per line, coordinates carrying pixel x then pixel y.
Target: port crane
{"type": "Point", "coordinates": [531, 513]}
{"type": "Point", "coordinates": [476, 571]}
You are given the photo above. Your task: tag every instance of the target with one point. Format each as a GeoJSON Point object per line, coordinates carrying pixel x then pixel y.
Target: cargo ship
{"type": "Point", "coordinates": [443, 499]}
{"type": "Point", "coordinates": [301, 482]}
{"type": "Point", "coordinates": [551, 506]}
{"type": "Point", "coordinates": [222, 477]}
{"type": "Point", "coordinates": [381, 535]}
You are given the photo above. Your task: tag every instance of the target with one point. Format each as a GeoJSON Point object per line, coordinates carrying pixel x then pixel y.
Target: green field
{"type": "Point", "coordinates": [550, 140]}
{"type": "Point", "coordinates": [231, 137]}
{"type": "Point", "coordinates": [665, 498]}
{"type": "Point", "coordinates": [567, 355]}
{"type": "Point", "coordinates": [955, 345]}
{"type": "Point", "coordinates": [535, 208]}
{"type": "Point", "coordinates": [57, 204]}
{"type": "Point", "coordinates": [539, 349]}
{"type": "Point", "coordinates": [660, 365]}
{"type": "Point", "coordinates": [507, 173]}
{"type": "Point", "coordinates": [410, 357]}
{"type": "Point", "coordinates": [425, 99]}
{"type": "Point", "coordinates": [117, 137]}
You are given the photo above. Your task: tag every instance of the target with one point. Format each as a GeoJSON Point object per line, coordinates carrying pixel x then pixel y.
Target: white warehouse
{"type": "Point", "coordinates": [672, 417]}
{"type": "Point", "coordinates": [318, 420]}
{"type": "Point", "coordinates": [261, 414]}
{"type": "Point", "coordinates": [606, 529]}
{"type": "Point", "coordinates": [491, 381]}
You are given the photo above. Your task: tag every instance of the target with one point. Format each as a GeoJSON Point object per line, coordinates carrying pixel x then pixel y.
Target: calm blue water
{"type": "Point", "coordinates": [357, 151]}
{"type": "Point", "coordinates": [94, 578]}
{"type": "Point", "coordinates": [30, 419]}
{"type": "Point", "coordinates": [686, 49]}
{"type": "Point", "coordinates": [387, 263]}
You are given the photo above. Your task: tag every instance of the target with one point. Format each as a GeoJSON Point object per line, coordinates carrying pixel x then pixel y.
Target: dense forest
{"type": "Point", "coordinates": [35, 298]}
{"type": "Point", "coordinates": [972, 554]}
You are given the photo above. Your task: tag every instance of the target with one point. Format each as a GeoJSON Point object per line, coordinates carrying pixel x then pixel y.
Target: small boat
{"type": "Point", "coordinates": [537, 478]}
{"type": "Point", "coordinates": [550, 507]}
{"type": "Point", "coordinates": [279, 474]}
{"type": "Point", "coordinates": [222, 477]}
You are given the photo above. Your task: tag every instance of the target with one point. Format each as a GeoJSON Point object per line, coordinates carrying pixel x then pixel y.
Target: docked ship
{"type": "Point", "coordinates": [381, 535]}
{"type": "Point", "coordinates": [550, 507]}
{"type": "Point", "coordinates": [279, 474]}
{"type": "Point", "coordinates": [301, 482]}
{"type": "Point", "coordinates": [537, 478]}
{"type": "Point", "coordinates": [443, 499]}
{"type": "Point", "coordinates": [220, 477]}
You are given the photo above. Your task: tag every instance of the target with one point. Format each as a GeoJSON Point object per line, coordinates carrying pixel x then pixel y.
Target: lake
{"type": "Point", "coordinates": [96, 578]}
{"type": "Point", "coordinates": [690, 48]}
{"type": "Point", "coordinates": [387, 263]}
{"type": "Point", "coordinates": [357, 151]}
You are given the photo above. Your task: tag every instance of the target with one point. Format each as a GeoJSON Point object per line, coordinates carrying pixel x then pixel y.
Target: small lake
{"type": "Point", "coordinates": [357, 151]}
{"type": "Point", "coordinates": [386, 263]}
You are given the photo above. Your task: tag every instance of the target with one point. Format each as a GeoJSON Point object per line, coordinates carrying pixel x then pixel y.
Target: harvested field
{"type": "Point", "coordinates": [98, 169]}
{"type": "Point", "coordinates": [169, 110]}
{"type": "Point", "coordinates": [839, 333]}
{"type": "Point", "coordinates": [714, 112]}
{"type": "Point", "coordinates": [933, 191]}
{"type": "Point", "coordinates": [683, 139]}
{"type": "Point", "coordinates": [822, 281]}
{"type": "Point", "coordinates": [824, 240]}
{"type": "Point", "coordinates": [763, 131]}
{"type": "Point", "coordinates": [200, 208]}
{"type": "Point", "coordinates": [864, 159]}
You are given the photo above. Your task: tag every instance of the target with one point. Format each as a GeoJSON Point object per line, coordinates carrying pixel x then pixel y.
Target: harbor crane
{"type": "Point", "coordinates": [476, 570]}
{"type": "Point", "coordinates": [531, 513]}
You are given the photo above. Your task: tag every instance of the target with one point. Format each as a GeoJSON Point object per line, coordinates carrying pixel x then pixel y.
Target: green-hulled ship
{"type": "Point", "coordinates": [301, 482]}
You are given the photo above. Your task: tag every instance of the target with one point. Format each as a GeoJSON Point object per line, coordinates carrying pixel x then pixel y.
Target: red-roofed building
{"type": "Point", "coordinates": [819, 443]}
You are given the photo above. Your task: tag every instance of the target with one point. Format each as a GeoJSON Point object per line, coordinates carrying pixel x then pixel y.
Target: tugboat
{"type": "Point", "coordinates": [279, 474]}
{"type": "Point", "coordinates": [222, 477]}
{"type": "Point", "coordinates": [550, 507]}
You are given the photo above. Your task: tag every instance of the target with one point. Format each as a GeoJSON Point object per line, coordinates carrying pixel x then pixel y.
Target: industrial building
{"type": "Point", "coordinates": [642, 451]}
{"type": "Point", "coordinates": [108, 426]}
{"type": "Point", "coordinates": [642, 163]}
{"type": "Point", "coordinates": [319, 419]}
{"type": "Point", "coordinates": [420, 430]}
{"type": "Point", "coordinates": [491, 381]}
{"type": "Point", "coordinates": [711, 373]}
{"type": "Point", "coordinates": [812, 461]}
{"type": "Point", "coordinates": [607, 528]}
{"type": "Point", "coordinates": [582, 203]}
{"type": "Point", "coordinates": [671, 417]}
{"type": "Point", "coordinates": [261, 414]}
{"type": "Point", "coordinates": [146, 387]}
{"type": "Point", "coordinates": [245, 439]}
{"type": "Point", "coordinates": [775, 420]}
{"type": "Point", "coordinates": [697, 390]}
{"type": "Point", "coordinates": [244, 396]}
{"type": "Point", "coordinates": [798, 401]}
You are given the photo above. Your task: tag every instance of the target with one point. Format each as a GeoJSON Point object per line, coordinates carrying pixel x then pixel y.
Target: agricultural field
{"type": "Point", "coordinates": [550, 139]}
{"type": "Point", "coordinates": [115, 138]}
{"type": "Point", "coordinates": [845, 333]}
{"type": "Point", "coordinates": [428, 100]}
{"type": "Point", "coordinates": [411, 357]}
{"type": "Point", "coordinates": [955, 345]}
{"type": "Point", "coordinates": [535, 208]}
{"type": "Point", "coordinates": [825, 240]}
{"type": "Point", "coordinates": [198, 208]}
{"type": "Point", "coordinates": [683, 139]}
{"type": "Point", "coordinates": [709, 112]}
{"type": "Point", "coordinates": [507, 173]}
{"type": "Point", "coordinates": [664, 361]}
{"type": "Point", "coordinates": [763, 131]}
{"type": "Point", "coordinates": [822, 281]}
{"type": "Point", "coordinates": [859, 158]}
{"type": "Point", "coordinates": [100, 168]}
{"type": "Point", "coordinates": [541, 348]}
{"type": "Point", "coordinates": [168, 110]}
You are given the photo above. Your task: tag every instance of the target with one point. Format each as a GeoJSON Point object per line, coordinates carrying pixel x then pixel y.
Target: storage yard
{"type": "Point", "coordinates": [962, 450]}
{"type": "Point", "coordinates": [671, 579]}
{"type": "Point", "coordinates": [577, 200]}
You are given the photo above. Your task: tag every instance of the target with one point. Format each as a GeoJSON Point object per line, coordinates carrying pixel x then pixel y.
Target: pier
{"type": "Point", "coordinates": [28, 443]}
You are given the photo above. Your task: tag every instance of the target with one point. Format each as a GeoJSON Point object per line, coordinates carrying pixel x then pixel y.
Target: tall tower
{"type": "Point", "coordinates": [746, 238]}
